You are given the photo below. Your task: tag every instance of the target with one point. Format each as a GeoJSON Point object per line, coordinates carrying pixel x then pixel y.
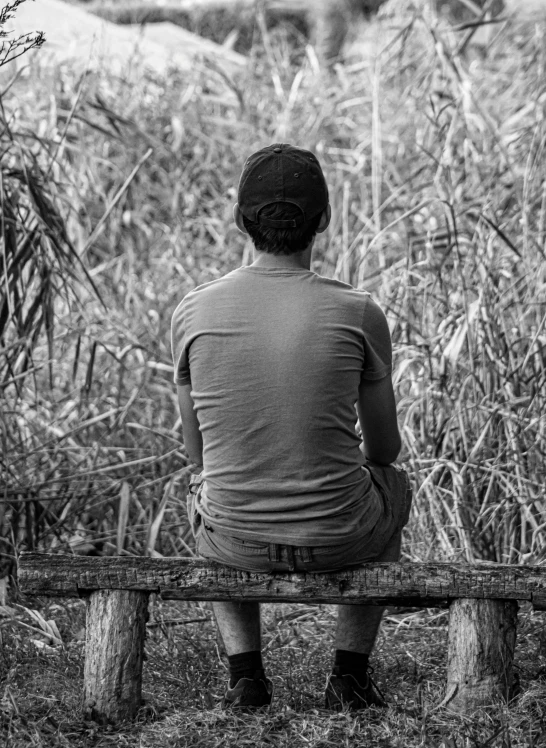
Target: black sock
{"type": "Point", "coordinates": [244, 665]}
{"type": "Point", "coordinates": [351, 663]}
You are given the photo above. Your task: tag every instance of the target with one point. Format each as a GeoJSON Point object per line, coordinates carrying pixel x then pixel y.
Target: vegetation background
{"type": "Point", "coordinates": [116, 197]}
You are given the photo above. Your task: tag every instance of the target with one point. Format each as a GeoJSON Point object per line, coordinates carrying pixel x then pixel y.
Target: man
{"type": "Point", "coordinates": [270, 361]}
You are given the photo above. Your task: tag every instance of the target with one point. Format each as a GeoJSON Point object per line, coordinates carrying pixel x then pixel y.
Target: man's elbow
{"type": "Point", "coordinates": [386, 453]}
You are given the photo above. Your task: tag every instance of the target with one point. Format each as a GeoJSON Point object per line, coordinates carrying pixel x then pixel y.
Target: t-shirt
{"type": "Point", "coordinates": [274, 357]}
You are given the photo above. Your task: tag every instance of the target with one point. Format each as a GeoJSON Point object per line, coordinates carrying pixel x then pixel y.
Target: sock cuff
{"type": "Point", "coordinates": [244, 665]}
{"type": "Point", "coordinates": [246, 660]}
{"type": "Point", "coordinates": [351, 663]}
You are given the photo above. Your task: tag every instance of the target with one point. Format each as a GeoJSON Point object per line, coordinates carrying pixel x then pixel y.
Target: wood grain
{"type": "Point", "coordinates": [424, 585]}
{"type": "Point", "coordinates": [114, 649]}
{"type": "Point", "coordinates": [481, 644]}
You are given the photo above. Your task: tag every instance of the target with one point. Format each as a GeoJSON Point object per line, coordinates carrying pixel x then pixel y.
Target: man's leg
{"type": "Point", "coordinates": [357, 625]}
{"type": "Point", "coordinates": [350, 683]}
{"type": "Point", "coordinates": [239, 625]}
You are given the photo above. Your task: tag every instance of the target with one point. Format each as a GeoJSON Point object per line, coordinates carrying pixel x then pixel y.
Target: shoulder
{"type": "Point", "coordinates": [362, 309]}
{"type": "Point", "coordinates": [371, 308]}
{"type": "Point", "coordinates": [360, 299]}
{"type": "Point", "coordinates": [201, 294]}
{"type": "Point", "coordinates": [213, 286]}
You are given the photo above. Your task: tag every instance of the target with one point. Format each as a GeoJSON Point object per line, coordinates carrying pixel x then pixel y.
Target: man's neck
{"type": "Point", "coordinates": [296, 261]}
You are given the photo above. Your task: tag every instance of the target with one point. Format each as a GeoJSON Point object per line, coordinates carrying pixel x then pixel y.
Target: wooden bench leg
{"type": "Point", "coordinates": [114, 648]}
{"type": "Point", "coordinates": [481, 643]}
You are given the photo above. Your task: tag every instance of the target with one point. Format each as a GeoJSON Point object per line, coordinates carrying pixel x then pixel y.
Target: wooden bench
{"type": "Point", "coordinates": [482, 604]}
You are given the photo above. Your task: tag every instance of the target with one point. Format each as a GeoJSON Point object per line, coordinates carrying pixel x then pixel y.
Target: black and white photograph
{"type": "Point", "coordinates": [273, 373]}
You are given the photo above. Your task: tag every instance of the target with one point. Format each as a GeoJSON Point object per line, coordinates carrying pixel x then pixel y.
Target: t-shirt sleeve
{"type": "Point", "coordinates": [179, 346]}
{"type": "Point", "coordinates": [377, 342]}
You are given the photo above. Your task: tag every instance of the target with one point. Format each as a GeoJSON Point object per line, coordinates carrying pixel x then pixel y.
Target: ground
{"type": "Point", "coordinates": [185, 675]}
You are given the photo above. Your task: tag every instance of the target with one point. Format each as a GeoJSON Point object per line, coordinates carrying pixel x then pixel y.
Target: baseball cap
{"type": "Point", "coordinates": [282, 173]}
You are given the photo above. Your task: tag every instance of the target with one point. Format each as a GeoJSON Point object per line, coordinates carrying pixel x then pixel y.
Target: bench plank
{"type": "Point", "coordinates": [416, 584]}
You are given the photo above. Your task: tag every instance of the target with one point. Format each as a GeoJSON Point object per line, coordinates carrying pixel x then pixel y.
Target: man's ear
{"type": "Point", "coordinates": [238, 216]}
{"type": "Point", "coordinates": [325, 217]}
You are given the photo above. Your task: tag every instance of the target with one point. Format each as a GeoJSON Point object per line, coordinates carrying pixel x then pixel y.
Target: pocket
{"type": "Point", "coordinates": [245, 547]}
{"type": "Point", "coordinates": [379, 478]}
{"type": "Point", "coordinates": [393, 483]}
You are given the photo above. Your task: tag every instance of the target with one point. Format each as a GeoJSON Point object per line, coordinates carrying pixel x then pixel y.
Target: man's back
{"type": "Point", "coordinates": [276, 358]}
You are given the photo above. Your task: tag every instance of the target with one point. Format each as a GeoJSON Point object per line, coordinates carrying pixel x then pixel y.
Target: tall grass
{"type": "Point", "coordinates": [435, 167]}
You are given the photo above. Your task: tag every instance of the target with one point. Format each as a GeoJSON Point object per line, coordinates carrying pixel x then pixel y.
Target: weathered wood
{"type": "Point", "coordinates": [481, 643]}
{"type": "Point", "coordinates": [424, 585]}
{"type": "Point", "coordinates": [114, 648]}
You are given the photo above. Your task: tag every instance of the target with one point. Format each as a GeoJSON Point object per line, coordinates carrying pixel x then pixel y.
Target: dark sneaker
{"type": "Point", "coordinates": [344, 691]}
{"type": "Point", "coordinates": [249, 693]}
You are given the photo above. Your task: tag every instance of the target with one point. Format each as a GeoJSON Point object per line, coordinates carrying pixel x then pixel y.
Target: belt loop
{"type": "Point", "coordinates": [306, 555]}
{"type": "Point", "coordinates": [290, 558]}
{"type": "Point", "coordinates": [274, 552]}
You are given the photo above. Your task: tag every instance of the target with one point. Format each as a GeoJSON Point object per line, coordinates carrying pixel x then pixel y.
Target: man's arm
{"type": "Point", "coordinates": [376, 408]}
{"type": "Point", "coordinates": [193, 440]}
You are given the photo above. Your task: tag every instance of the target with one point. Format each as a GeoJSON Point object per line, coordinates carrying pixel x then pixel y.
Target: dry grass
{"type": "Point", "coordinates": [185, 676]}
{"type": "Point", "coordinates": [435, 168]}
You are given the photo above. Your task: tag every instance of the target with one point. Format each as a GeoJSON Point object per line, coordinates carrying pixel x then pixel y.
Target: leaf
{"type": "Point", "coordinates": [43, 647]}
{"type": "Point", "coordinates": [49, 628]}
{"type": "Point", "coordinates": [156, 524]}
{"type": "Point", "coordinates": [453, 348]}
{"type": "Point", "coordinates": [123, 515]}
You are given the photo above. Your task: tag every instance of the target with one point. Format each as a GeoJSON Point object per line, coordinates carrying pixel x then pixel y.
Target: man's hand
{"type": "Point", "coordinates": [376, 408]}
{"type": "Point", "coordinates": [193, 441]}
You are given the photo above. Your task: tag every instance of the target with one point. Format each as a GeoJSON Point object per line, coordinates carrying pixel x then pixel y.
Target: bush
{"type": "Point", "coordinates": [435, 170]}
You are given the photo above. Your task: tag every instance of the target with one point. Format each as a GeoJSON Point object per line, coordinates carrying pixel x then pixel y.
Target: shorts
{"type": "Point", "coordinates": [381, 544]}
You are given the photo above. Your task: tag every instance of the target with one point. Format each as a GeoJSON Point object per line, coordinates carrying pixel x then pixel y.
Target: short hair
{"type": "Point", "coordinates": [282, 241]}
